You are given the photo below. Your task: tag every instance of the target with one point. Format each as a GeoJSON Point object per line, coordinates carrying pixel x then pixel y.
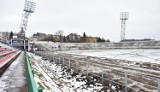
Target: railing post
{"type": "Point", "coordinates": [63, 61]}
{"type": "Point", "coordinates": [158, 85]}
{"type": "Point", "coordinates": [126, 81]}
{"type": "Point", "coordinates": [53, 58]}
{"type": "Point", "coordinates": [102, 75]}
{"type": "Point", "coordinates": [24, 44]}
{"type": "Point", "coordinates": [59, 59]}
{"type": "Point", "coordinates": [69, 64]}
{"type": "Point", "coordinates": [87, 66]}
{"type": "Point", "coordinates": [77, 65]}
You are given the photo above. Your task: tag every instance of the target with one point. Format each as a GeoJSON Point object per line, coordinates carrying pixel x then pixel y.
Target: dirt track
{"type": "Point", "coordinates": [141, 76]}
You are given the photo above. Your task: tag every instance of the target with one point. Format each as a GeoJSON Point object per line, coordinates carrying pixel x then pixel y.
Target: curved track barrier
{"type": "Point", "coordinates": [32, 87]}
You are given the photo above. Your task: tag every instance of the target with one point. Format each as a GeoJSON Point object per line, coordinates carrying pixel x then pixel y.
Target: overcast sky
{"type": "Point", "coordinates": [99, 18]}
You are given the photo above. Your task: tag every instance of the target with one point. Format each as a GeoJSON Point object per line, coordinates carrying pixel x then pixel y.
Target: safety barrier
{"type": "Point", "coordinates": [32, 87]}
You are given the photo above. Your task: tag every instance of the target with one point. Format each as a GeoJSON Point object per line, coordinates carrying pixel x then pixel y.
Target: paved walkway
{"type": "Point", "coordinates": [14, 79]}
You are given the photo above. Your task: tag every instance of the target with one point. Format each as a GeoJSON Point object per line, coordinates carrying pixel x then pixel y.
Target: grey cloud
{"type": "Point", "coordinates": [95, 17]}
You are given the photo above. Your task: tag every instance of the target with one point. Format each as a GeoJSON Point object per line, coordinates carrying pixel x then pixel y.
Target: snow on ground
{"type": "Point", "coordinates": [42, 79]}
{"type": "Point", "coordinates": [64, 79]}
{"type": "Point", "coordinates": [140, 55]}
{"type": "Point", "coordinates": [140, 58]}
{"type": "Point", "coordinates": [134, 69]}
{"type": "Point", "coordinates": [14, 78]}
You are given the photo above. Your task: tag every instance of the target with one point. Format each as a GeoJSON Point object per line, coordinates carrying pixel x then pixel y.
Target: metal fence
{"type": "Point", "coordinates": [87, 68]}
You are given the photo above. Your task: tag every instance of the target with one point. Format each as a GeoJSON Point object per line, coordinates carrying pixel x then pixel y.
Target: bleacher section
{"type": "Point", "coordinates": [6, 51]}
{"type": "Point", "coordinates": [7, 55]}
{"type": "Point", "coordinates": [7, 58]}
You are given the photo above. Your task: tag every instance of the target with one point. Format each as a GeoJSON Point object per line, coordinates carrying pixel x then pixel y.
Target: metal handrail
{"type": "Point", "coordinates": [32, 86]}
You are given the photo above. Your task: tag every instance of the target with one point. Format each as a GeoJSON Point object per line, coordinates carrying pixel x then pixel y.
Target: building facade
{"type": "Point", "coordinates": [88, 39]}
{"type": "Point", "coordinates": [91, 39]}
{"type": "Point", "coordinates": [4, 36]}
{"type": "Point", "coordinates": [73, 37]}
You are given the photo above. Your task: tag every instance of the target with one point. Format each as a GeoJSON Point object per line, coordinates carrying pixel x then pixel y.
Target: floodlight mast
{"type": "Point", "coordinates": [29, 8]}
{"type": "Point", "coordinates": [123, 17]}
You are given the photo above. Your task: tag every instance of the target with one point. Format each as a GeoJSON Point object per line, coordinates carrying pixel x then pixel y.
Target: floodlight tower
{"type": "Point", "coordinates": [29, 8]}
{"type": "Point", "coordinates": [123, 17]}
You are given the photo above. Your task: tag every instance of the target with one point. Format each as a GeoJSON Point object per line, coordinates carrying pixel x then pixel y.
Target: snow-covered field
{"type": "Point", "coordinates": [140, 77]}
{"type": "Point", "coordinates": [139, 55]}
{"type": "Point", "coordinates": [142, 65]}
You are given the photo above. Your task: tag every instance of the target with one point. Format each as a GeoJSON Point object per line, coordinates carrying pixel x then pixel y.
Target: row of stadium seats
{"type": "Point", "coordinates": [7, 51]}
{"type": "Point", "coordinates": [2, 49]}
{"type": "Point", "coordinates": [7, 54]}
{"type": "Point", "coordinates": [7, 58]}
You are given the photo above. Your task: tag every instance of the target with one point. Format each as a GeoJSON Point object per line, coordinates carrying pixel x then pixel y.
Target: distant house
{"type": "Point", "coordinates": [91, 39]}
{"type": "Point", "coordinates": [4, 36]}
{"type": "Point", "coordinates": [88, 39]}
{"type": "Point", "coordinates": [56, 38]}
{"type": "Point", "coordinates": [73, 37]}
{"type": "Point", "coordinates": [82, 39]}
{"type": "Point", "coordinates": [21, 34]}
{"type": "Point", "coordinates": [38, 36]}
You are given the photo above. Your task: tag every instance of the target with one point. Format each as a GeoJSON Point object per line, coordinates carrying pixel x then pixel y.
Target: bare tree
{"type": "Point", "coordinates": [60, 34]}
